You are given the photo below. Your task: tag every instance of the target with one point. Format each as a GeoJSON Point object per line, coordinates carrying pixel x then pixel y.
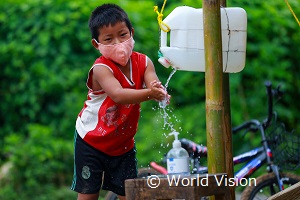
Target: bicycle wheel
{"type": "Point", "coordinates": [266, 186]}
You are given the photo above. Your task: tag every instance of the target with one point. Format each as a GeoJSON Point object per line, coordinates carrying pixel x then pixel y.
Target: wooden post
{"type": "Point", "coordinates": [227, 126]}
{"type": "Point", "coordinates": [215, 123]}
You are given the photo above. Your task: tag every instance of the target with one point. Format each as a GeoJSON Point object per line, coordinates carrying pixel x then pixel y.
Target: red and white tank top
{"type": "Point", "coordinates": [105, 125]}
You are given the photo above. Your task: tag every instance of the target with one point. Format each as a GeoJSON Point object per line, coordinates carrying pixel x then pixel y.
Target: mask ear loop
{"type": "Point", "coordinates": [96, 41]}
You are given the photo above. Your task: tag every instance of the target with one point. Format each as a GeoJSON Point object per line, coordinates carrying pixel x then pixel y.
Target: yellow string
{"type": "Point", "coordinates": [163, 26]}
{"type": "Point", "coordinates": [287, 3]}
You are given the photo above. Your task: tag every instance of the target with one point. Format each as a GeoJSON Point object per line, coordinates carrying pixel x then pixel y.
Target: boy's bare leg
{"type": "Point", "coordinates": [88, 196]}
{"type": "Point", "coordinates": [122, 197]}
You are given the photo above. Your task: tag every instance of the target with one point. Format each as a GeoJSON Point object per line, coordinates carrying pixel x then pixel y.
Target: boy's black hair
{"type": "Point", "coordinates": [105, 15]}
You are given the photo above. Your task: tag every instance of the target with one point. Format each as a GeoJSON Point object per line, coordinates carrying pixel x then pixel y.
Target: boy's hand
{"type": "Point", "coordinates": [156, 83]}
{"type": "Point", "coordinates": [159, 92]}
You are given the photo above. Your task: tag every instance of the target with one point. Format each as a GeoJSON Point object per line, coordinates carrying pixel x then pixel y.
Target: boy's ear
{"type": "Point", "coordinates": [132, 32]}
{"type": "Point", "coordinates": [94, 43]}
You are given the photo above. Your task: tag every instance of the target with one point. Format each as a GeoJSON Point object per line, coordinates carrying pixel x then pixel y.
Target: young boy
{"type": "Point", "coordinates": [105, 153]}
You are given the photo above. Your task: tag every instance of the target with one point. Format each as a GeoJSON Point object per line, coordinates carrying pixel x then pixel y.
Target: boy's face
{"type": "Point", "coordinates": [110, 35]}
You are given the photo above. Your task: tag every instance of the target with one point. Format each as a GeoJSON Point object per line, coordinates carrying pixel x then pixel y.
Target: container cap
{"type": "Point", "coordinates": [164, 62]}
{"type": "Point", "coordinates": [176, 143]}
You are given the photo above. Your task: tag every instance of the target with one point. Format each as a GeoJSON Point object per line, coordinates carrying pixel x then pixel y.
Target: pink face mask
{"type": "Point", "coordinates": [119, 53]}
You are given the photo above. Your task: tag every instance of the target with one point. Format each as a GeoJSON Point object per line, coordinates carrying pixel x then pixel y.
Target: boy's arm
{"type": "Point", "coordinates": [150, 74]}
{"type": "Point", "coordinates": [151, 80]}
{"type": "Point", "coordinates": [121, 95]}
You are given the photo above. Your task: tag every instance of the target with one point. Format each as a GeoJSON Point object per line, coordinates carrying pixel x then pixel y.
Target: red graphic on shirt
{"type": "Point", "coordinates": [111, 116]}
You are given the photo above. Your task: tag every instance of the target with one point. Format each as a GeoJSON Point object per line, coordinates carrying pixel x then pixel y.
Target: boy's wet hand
{"type": "Point", "coordinates": [159, 93]}
{"type": "Point", "coordinates": [157, 84]}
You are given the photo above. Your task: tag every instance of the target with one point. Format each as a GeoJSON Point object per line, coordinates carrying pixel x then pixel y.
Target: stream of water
{"type": "Point", "coordinates": [163, 105]}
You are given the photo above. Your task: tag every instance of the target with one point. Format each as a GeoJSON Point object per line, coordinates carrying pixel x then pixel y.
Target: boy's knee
{"type": "Point", "coordinates": [88, 196]}
{"type": "Point", "coordinates": [122, 197]}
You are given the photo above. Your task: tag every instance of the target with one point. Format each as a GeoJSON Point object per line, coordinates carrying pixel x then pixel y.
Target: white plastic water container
{"type": "Point", "coordinates": [185, 50]}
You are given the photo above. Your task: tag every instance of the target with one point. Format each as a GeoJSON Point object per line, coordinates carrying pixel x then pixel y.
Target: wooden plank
{"type": "Point", "coordinates": [191, 187]}
{"type": "Point", "coordinates": [291, 193]}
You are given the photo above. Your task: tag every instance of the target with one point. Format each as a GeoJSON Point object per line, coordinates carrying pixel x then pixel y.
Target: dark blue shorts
{"type": "Point", "coordinates": [94, 169]}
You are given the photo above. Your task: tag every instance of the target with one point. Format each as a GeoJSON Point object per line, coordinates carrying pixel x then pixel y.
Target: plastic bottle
{"type": "Point", "coordinates": [177, 158]}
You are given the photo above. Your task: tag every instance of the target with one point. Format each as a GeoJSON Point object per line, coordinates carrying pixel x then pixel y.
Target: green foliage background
{"type": "Point", "coordinates": [46, 53]}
